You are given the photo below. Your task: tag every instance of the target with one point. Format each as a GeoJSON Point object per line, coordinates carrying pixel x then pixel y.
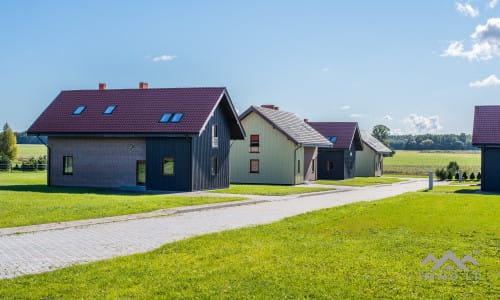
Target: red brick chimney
{"type": "Point", "coordinates": [270, 106]}
{"type": "Point", "coordinates": [143, 85]}
{"type": "Point", "coordinates": [102, 86]}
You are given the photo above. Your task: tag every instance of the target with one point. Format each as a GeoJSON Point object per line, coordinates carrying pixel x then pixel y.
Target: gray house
{"type": "Point", "coordinates": [163, 139]}
{"type": "Point", "coordinates": [486, 135]}
{"type": "Point", "coordinates": [370, 160]}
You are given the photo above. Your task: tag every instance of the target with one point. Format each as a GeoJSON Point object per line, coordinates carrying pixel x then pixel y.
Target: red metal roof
{"type": "Point", "coordinates": [345, 132]}
{"type": "Point", "coordinates": [137, 111]}
{"type": "Point", "coordinates": [486, 130]}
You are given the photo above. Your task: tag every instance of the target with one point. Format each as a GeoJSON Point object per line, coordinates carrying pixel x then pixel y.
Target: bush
{"type": "Point", "coordinates": [472, 176]}
{"type": "Point", "coordinates": [478, 177]}
{"type": "Point", "coordinates": [457, 176]}
{"type": "Point", "coordinates": [464, 176]}
{"type": "Point", "coordinates": [449, 175]}
{"type": "Point", "coordinates": [453, 167]}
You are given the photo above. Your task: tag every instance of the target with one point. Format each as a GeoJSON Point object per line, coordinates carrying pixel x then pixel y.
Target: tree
{"type": "Point", "coordinates": [381, 133]}
{"type": "Point", "coordinates": [8, 144]}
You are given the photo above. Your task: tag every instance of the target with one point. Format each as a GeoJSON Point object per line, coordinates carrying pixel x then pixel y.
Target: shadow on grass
{"type": "Point", "coordinates": [40, 188]}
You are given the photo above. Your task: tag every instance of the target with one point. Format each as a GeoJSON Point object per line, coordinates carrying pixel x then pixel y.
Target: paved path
{"type": "Point", "coordinates": [47, 250]}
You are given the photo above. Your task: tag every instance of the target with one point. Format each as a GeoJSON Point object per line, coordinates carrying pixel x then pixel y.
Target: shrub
{"type": "Point", "coordinates": [472, 176]}
{"type": "Point", "coordinates": [464, 176]}
{"type": "Point", "coordinates": [449, 175]}
{"type": "Point", "coordinates": [478, 177]}
{"type": "Point", "coordinates": [457, 176]}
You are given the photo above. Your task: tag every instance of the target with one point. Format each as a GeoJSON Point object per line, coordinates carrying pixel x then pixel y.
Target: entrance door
{"type": "Point", "coordinates": [141, 172]}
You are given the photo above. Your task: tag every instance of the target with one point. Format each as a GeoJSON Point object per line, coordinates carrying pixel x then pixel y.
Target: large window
{"type": "Point", "coordinates": [67, 165]}
{"type": "Point", "coordinates": [214, 165]}
{"type": "Point", "coordinates": [254, 143]}
{"type": "Point", "coordinates": [254, 166]}
{"type": "Point", "coordinates": [168, 166]}
{"type": "Point", "coordinates": [215, 136]}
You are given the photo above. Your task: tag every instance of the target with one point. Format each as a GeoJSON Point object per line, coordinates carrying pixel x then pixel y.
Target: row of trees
{"type": "Point", "coordinates": [452, 171]}
{"type": "Point", "coordinates": [8, 145]}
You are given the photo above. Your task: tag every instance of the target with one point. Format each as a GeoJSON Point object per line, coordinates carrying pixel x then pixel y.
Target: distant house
{"type": "Point", "coordinates": [370, 160]}
{"type": "Point", "coordinates": [486, 135]}
{"type": "Point", "coordinates": [279, 148]}
{"type": "Point", "coordinates": [174, 139]}
{"type": "Point", "coordinates": [339, 161]}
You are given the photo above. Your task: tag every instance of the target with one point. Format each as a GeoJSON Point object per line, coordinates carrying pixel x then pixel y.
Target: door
{"type": "Point", "coordinates": [141, 172]}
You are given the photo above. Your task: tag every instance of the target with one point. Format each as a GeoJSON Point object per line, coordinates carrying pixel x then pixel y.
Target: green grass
{"type": "Point", "coordinates": [27, 151]}
{"type": "Point", "coordinates": [361, 181]}
{"type": "Point", "coordinates": [455, 189]}
{"type": "Point", "coordinates": [369, 250]}
{"type": "Point", "coordinates": [26, 200]}
{"type": "Point", "coordinates": [269, 190]}
{"type": "Point", "coordinates": [420, 162]}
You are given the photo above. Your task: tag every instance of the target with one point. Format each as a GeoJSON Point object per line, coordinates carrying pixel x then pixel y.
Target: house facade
{"type": "Point", "coordinates": [370, 160]}
{"type": "Point", "coordinates": [279, 148]}
{"type": "Point", "coordinates": [486, 135]}
{"type": "Point", "coordinates": [160, 139]}
{"type": "Point", "coordinates": [339, 161]}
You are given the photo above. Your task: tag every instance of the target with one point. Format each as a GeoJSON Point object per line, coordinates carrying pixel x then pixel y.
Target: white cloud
{"type": "Point", "coordinates": [466, 9]}
{"type": "Point", "coordinates": [325, 69]}
{"type": "Point", "coordinates": [493, 3]}
{"type": "Point", "coordinates": [345, 107]}
{"type": "Point", "coordinates": [164, 57]}
{"type": "Point", "coordinates": [486, 43]}
{"type": "Point", "coordinates": [421, 124]}
{"type": "Point", "coordinates": [387, 118]}
{"type": "Point", "coordinates": [356, 115]}
{"type": "Point", "coordinates": [491, 80]}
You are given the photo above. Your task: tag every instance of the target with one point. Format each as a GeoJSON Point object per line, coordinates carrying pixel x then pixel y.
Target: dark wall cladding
{"type": "Point", "coordinates": [490, 173]}
{"type": "Point", "coordinates": [337, 157]}
{"type": "Point", "coordinates": [203, 153]}
{"type": "Point", "coordinates": [177, 148]}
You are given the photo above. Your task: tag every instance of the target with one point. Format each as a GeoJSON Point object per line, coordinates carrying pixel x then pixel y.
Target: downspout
{"type": "Point", "coordinates": [295, 162]}
{"type": "Point", "coordinates": [48, 158]}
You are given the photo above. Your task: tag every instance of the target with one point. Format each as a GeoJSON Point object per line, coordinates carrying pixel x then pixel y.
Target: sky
{"type": "Point", "coordinates": [414, 66]}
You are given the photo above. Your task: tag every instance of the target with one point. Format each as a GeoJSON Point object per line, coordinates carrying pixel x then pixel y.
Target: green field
{"type": "Point", "coordinates": [26, 151]}
{"type": "Point", "coordinates": [26, 200]}
{"type": "Point", "coordinates": [422, 162]}
{"type": "Point", "coordinates": [369, 250]}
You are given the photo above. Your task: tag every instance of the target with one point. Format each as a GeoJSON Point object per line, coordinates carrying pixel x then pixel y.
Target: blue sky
{"type": "Point", "coordinates": [416, 67]}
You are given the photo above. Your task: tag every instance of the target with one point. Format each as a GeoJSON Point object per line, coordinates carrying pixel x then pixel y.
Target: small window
{"type": "Point", "coordinates": [165, 118]}
{"type": "Point", "coordinates": [109, 110]}
{"type": "Point", "coordinates": [67, 165]}
{"type": "Point", "coordinates": [312, 165]}
{"type": "Point", "coordinates": [332, 139]}
{"type": "Point", "coordinates": [254, 143]}
{"type": "Point", "coordinates": [168, 166]}
{"type": "Point", "coordinates": [215, 136]}
{"type": "Point", "coordinates": [79, 110]}
{"type": "Point", "coordinates": [329, 165]}
{"type": "Point", "coordinates": [254, 166]}
{"type": "Point", "coordinates": [214, 165]}
{"type": "Point", "coordinates": [298, 166]}
{"type": "Point", "coordinates": [176, 118]}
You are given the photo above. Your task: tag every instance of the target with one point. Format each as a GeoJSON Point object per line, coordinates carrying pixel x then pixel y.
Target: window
{"type": "Point", "coordinates": [254, 166]}
{"type": "Point", "coordinates": [79, 110]}
{"type": "Point", "coordinates": [214, 165]}
{"type": "Point", "coordinates": [312, 165]}
{"type": "Point", "coordinates": [176, 118]}
{"type": "Point", "coordinates": [109, 110]}
{"type": "Point", "coordinates": [141, 172]}
{"type": "Point", "coordinates": [332, 139]}
{"type": "Point", "coordinates": [165, 118]}
{"type": "Point", "coordinates": [67, 165]}
{"type": "Point", "coordinates": [215, 137]}
{"type": "Point", "coordinates": [298, 166]}
{"type": "Point", "coordinates": [254, 143]}
{"type": "Point", "coordinates": [329, 165]}
{"type": "Point", "coordinates": [168, 166]}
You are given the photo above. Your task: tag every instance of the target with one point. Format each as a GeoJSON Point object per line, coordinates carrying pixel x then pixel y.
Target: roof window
{"type": "Point", "coordinates": [176, 118]}
{"type": "Point", "coordinates": [171, 117]}
{"type": "Point", "coordinates": [109, 110]}
{"type": "Point", "coordinates": [79, 110]}
{"type": "Point", "coordinates": [165, 118]}
{"type": "Point", "coordinates": [332, 139]}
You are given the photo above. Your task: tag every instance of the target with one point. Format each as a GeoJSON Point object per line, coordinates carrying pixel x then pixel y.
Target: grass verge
{"type": "Point", "coordinates": [269, 190]}
{"type": "Point", "coordinates": [361, 181]}
{"type": "Point", "coordinates": [26, 200]}
{"type": "Point", "coordinates": [361, 251]}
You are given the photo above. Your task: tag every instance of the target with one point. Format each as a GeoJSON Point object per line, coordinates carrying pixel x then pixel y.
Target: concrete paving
{"type": "Point", "coordinates": [51, 248]}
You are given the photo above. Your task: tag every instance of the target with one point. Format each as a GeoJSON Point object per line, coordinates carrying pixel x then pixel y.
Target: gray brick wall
{"type": "Point", "coordinates": [97, 162]}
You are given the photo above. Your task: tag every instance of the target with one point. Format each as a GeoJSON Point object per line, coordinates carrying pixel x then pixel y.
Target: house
{"type": "Point", "coordinates": [486, 135]}
{"type": "Point", "coordinates": [280, 148]}
{"type": "Point", "coordinates": [174, 139]}
{"type": "Point", "coordinates": [339, 161]}
{"type": "Point", "coordinates": [370, 160]}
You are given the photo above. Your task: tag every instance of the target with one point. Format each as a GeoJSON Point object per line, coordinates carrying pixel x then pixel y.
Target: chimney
{"type": "Point", "coordinates": [270, 106]}
{"type": "Point", "coordinates": [143, 85]}
{"type": "Point", "coordinates": [102, 86]}
{"type": "Point", "coordinates": [306, 120]}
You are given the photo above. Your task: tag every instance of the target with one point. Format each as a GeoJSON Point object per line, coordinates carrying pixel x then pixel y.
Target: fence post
{"type": "Point", "coordinates": [431, 181]}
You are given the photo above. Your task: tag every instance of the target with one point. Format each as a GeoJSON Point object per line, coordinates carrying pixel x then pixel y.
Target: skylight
{"type": "Point", "coordinates": [332, 139]}
{"type": "Point", "coordinates": [109, 110]}
{"type": "Point", "coordinates": [79, 110]}
{"type": "Point", "coordinates": [171, 117]}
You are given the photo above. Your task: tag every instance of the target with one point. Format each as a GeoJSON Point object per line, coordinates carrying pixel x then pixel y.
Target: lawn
{"type": "Point", "coordinates": [26, 200]}
{"type": "Point", "coordinates": [361, 251]}
{"type": "Point", "coordinates": [422, 162]}
{"type": "Point", "coordinates": [361, 181]}
{"type": "Point", "coordinates": [27, 151]}
{"type": "Point", "coordinates": [269, 190]}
